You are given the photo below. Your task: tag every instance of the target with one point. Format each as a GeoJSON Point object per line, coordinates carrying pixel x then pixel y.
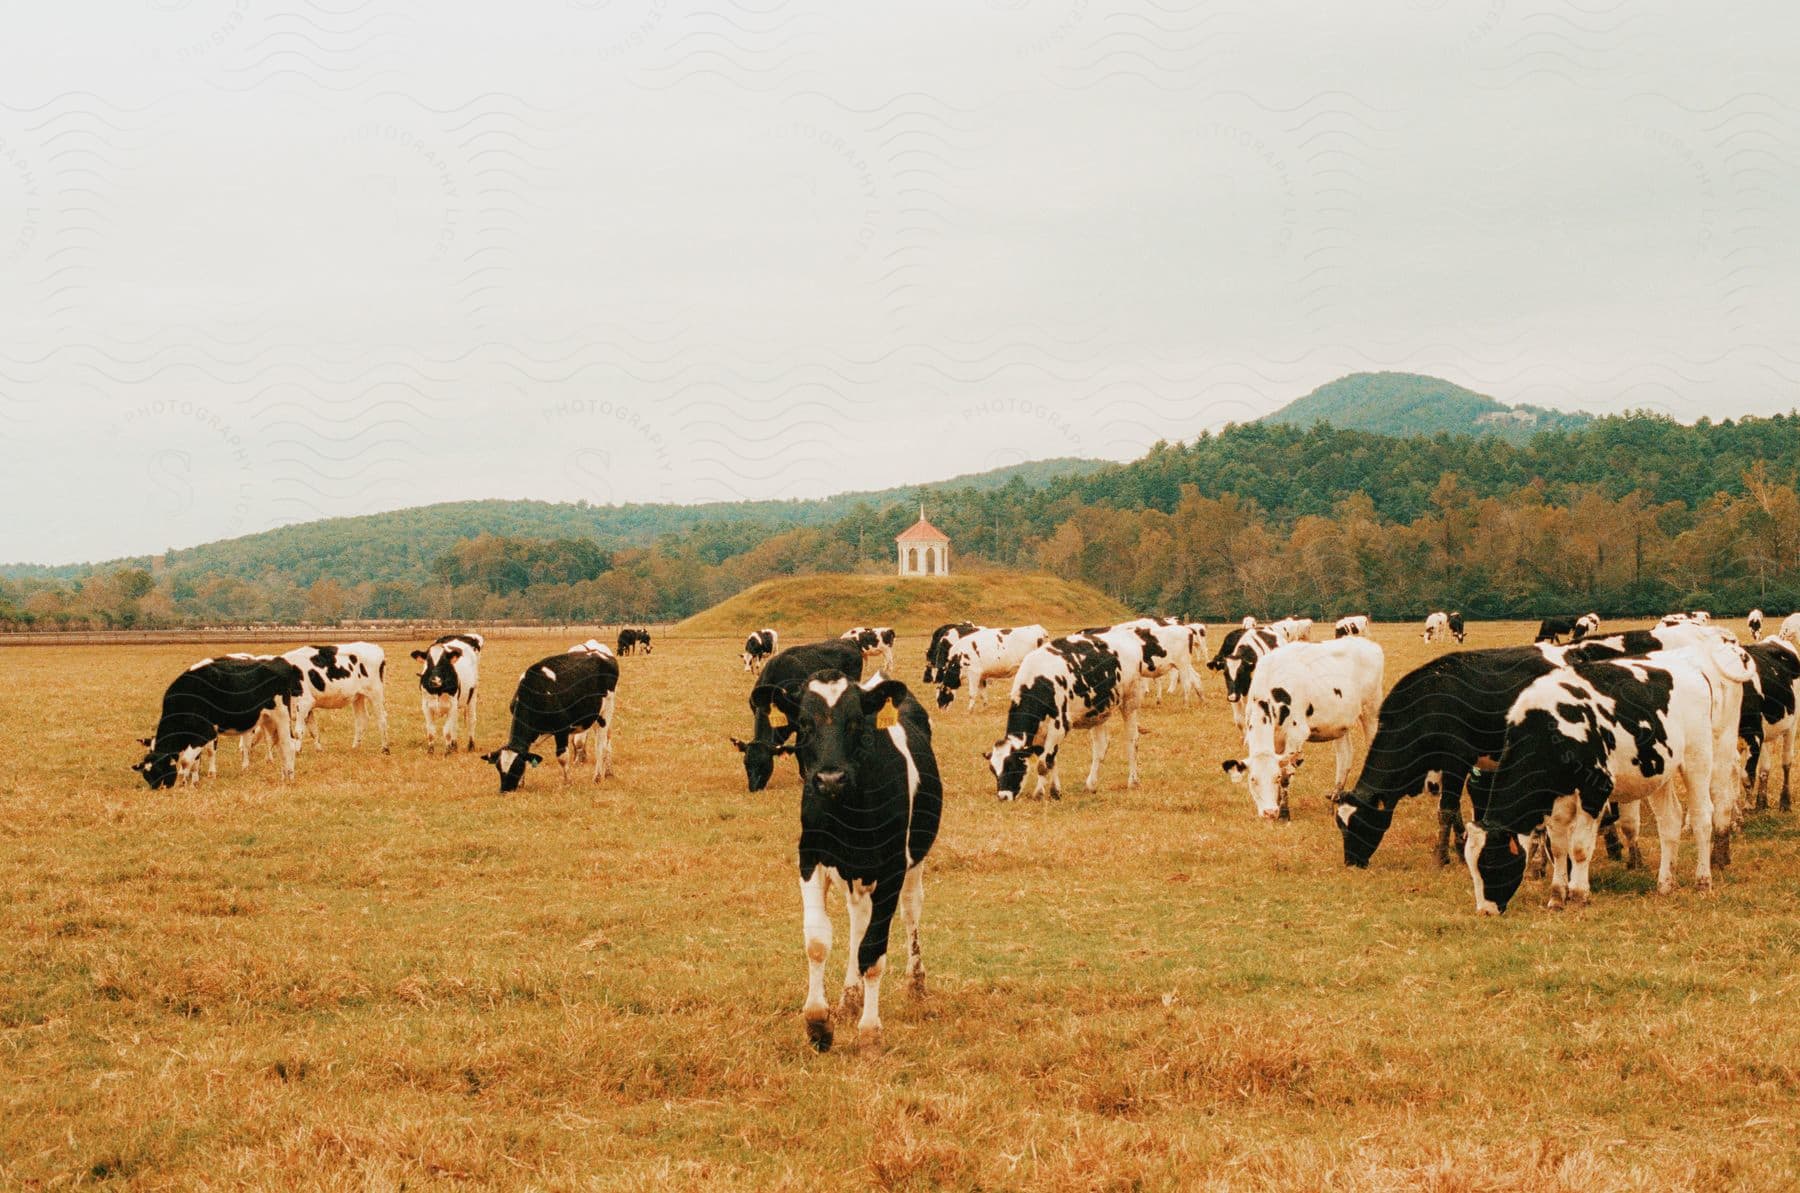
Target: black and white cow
{"type": "Point", "coordinates": [1354, 626]}
{"type": "Point", "coordinates": [343, 675]}
{"type": "Point", "coordinates": [759, 647]}
{"type": "Point", "coordinates": [449, 670]}
{"type": "Point", "coordinates": [1755, 623]}
{"type": "Point", "coordinates": [566, 695]}
{"type": "Point", "coordinates": [578, 744]}
{"type": "Point", "coordinates": [870, 803]}
{"type": "Point", "coordinates": [1768, 721]}
{"type": "Point", "coordinates": [1456, 625]}
{"type": "Point", "coordinates": [221, 696]}
{"type": "Point", "coordinates": [633, 640]}
{"type": "Point", "coordinates": [1578, 736]}
{"type": "Point", "coordinates": [1553, 629]}
{"type": "Point", "coordinates": [1178, 644]}
{"type": "Point", "coordinates": [874, 641]}
{"type": "Point", "coordinates": [1437, 625]}
{"type": "Point", "coordinates": [1077, 682]}
{"type": "Point", "coordinates": [1293, 629]}
{"type": "Point", "coordinates": [1240, 666]}
{"type": "Point", "coordinates": [978, 657]}
{"type": "Point", "coordinates": [937, 650]}
{"type": "Point", "coordinates": [1303, 692]}
{"type": "Point", "coordinates": [770, 728]}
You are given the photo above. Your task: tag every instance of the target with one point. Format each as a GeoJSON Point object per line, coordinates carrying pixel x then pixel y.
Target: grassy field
{"type": "Point", "coordinates": [386, 973]}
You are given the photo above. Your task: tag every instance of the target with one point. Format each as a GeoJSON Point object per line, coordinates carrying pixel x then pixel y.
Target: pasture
{"type": "Point", "coordinates": [387, 973]}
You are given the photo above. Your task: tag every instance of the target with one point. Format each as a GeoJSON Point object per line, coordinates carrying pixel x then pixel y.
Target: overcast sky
{"type": "Point", "coordinates": [262, 263]}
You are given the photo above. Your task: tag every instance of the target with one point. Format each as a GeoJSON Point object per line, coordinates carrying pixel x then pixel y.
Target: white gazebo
{"type": "Point", "coordinates": [924, 549]}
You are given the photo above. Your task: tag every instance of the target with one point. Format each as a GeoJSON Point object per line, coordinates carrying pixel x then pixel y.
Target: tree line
{"type": "Point", "coordinates": [1628, 515]}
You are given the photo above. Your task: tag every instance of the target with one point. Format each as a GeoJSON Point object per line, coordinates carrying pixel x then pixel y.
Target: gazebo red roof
{"type": "Point", "coordinates": [921, 532]}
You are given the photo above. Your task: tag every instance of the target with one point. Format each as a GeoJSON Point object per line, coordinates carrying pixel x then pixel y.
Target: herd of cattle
{"type": "Point", "coordinates": [1551, 742]}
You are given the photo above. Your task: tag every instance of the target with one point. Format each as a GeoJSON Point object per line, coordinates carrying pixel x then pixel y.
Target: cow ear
{"type": "Point", "coordinates": [1512, 844]}
{"type": "Point", "coordinates": [494, 757]}
{"type": "Point", "coordinates": [741, 746]}
{"type": "Point", "coordinates": [883, 702]}
{"type": "Point", "coordinates": [419, 654]}
{"type": "Point", "coordinates": [987, 755]}
{"type": "Point", "coordinates": [146, 742]}
{"type": "Point", "coordinates": [1235, 769]}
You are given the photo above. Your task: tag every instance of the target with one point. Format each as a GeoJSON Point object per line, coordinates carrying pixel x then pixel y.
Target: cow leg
{"type": "Point", "coordinates": [1583, 834]}
{"type": "Point", "coordinates": [244, 745]}
{"type": "Point", "coordinates": [359, 720]}
{"type": "Point", "coordinates": [1047, 775]}
{"type": "Point", "coordinates": [212, 761]}
{"type": "Point", "coordinates": [1102, 736]}
{"type": "Point", "coordinates": [1131, 737]}
{"type": "Point", "coordinates": [381, 724]}
{"type": "Point", "coordinates": [871, 957]}
{"type": "Point", "coordinates": [1630, 821]}
{"type": "Point", "coordinates": [1537, 854]}
{"type": "Point", "coordinates": [816, 926]}
{"type": "Point", "coordinates": [859, 902]}
{"type": "Point", "coordinates": [1700, 812]}
{"type": "Point", "coordinates": [1345, 755]}
{"type": "Point", "coordinates": [1562, 817]}
{"type": "Point", "coordinates": [311, 724]}
{"type": "Point", "coordinates": [600, 742]}
{"type": "Point", "coordinates": [561, 737]}
{"type": "Point", "coordinates": [1237, 712]}
{"type": "Point", "coordinates": [474, 697]}
{"type": "Point", "coordinates": [912, 910]}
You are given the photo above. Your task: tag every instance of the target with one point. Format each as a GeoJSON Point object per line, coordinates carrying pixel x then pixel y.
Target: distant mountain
{"type": "Point", "coordinates": [400, 544]}
{"type": "Point", "coordinates": [1409, 404]}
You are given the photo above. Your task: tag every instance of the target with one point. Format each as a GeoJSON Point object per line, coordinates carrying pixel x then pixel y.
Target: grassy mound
{"type": "Point", "coordinates": [801, 606]}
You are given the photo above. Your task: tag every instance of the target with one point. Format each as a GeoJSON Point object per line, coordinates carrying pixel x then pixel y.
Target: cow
{"type": "Point", "coordinates": [1437, 625]}
{"type": "Point", "coordinates": [634, 641]}
{"type": "Point", "coordinates": [1305, 692]}
{"type": "Point", "coordinates": [1755, 622]}
{"type": "Point", "coordinates": [1240, 667]}
{"type": "Point", "coordinates": [870, 802]}
{"type": "Point", "coordinates": [449, 670]}
{"type": "Point", "coordinates": [1696, 617]}
{"type": "Point", "coordinates": [1354, 626]}
{"type": "Point", "coordinates": [937, 650]}
{"type": "Point", "coordinates": [566, 695]}
{"type": "Point", "coordinates": [1077, 682]}
{"type": "Point", "coordinates": [1169, 648]}
{"type": "Point", "coordinates": [1447, 717]}
{"type": "Point", "coordinates": [215, 696]}
{"type": "Point", "coordinates": [1293, 629]}
{"type": "Point", "coordinates": [1790, 629]}
{"type": "Point", "coordinates": [758, 648]}
{"type": "Point", "coordinates": [578, 744]}
{"type": "Point", "coordinates": [343, 675]}
{"type": "Point", "coordinates": [1456, 625]}
{"type": "Point", "coordinates": [984, 655]}
{"type": "Point", "coordinates": [1768, 720]}
{"type": "Point", "coordinates": [1553, 629]}
{"type": "Point", "coordinates": [1621, 729]}
{"type": "Point", "coordinates": [874, 641]}
{"type": "Point", "coordinates": [788, 671]}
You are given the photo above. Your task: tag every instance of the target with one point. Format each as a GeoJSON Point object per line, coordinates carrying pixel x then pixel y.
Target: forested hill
{"type": "Point", "coordinates": [400, 545]}
{"type": "Point", "coordinates": [1409, 404]}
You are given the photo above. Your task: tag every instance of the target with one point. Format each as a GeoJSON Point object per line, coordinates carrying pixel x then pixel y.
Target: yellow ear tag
{"type": "Point", "coordinates": [776, 718]}
{"type": "Point", "coordinates": [888, 717]}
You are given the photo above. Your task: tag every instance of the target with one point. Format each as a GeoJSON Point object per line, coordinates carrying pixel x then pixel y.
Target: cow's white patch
{"type": "Point", "coordinates": [830, 692]}
{"type": "Point", "coordinates": [548, 674]}
{"type": "Point", "coordinates": [1344, 813]}
{"type": "Point", "coordinates": [506, 759]}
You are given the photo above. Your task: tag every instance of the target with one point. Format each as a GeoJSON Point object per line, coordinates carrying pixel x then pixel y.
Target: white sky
{"type": "Point", "coordinates": [262, 263]}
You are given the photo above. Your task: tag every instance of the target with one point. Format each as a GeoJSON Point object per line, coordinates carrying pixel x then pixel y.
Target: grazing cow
{"type": "Point", "coordinates": [870, 802]}
{"type": "Point", "coordinates": [1354, 626]}
{"type": "Point", "coordinates": [346, 675]}
{"type": "Point", "coordinates": [1578, 736]}
{"type": "Point", "coordinates": [874, 640]}
{"type": "Point", "coordinates": [1768, 721]}
{"type": "Point", "coordinates": [1456, 625]}
{"type": "Point", "coordinates": [984, 655]}
{"type": "Point", "coordinates": [1293, 629]}
{"type": "Point", "coordinates": [1437, 625]}
{"type": "Point", "coordinates": [1305, 692]}
{"type": "Point", "coordinates": [937, 651]}
{"type": "Point", "coordinates": [1240, 667]}
{"type": "Point", "coordinates": [1755, 622]}
{"type": "Point", "coordinates": [566, 695]}
{"type": "Point", "coordinates": [634, 641]}
{"type": "Point", "coordinates": [578, 744]}
{"type": "Point", "coordinates": [1553, 629]}
{"type": "Point", "coordinates": [448, 672]}
{"type": "Point", "coordinates": [215, 696]}
{"type": "Point", "coordinates": [787, 672]}
{"type": "Point", "coordinates": [1169, 648]}
{"type": "Point", "coordinates": [1440, 722]}
{"type": "Point", "coordinates": [1790, 629]}
{"type": "Point", "coordinates": [1077, 682]}
{"type": "Point", "coordinates": [758, 648]}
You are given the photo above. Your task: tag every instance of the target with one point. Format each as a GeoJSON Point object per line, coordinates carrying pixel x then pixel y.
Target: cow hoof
{"type": "Point", "coordinates": [818, 1034]}
{"type": "Point", "coordinates": [1784, 802]}
{"type": "Point", "coordinates": [1721, 854]}
{"type": "Point", "coordinates": [385, 750]}
{"type": "Point", "coordinates": [1443, 856]}
{"type": "Point", "coordinates": [1665, 888]}
{"type": "Point", "coordinates": [1556, 900]}
{"type": "Point", "coordinates": [1578, 898]}
{"type": "Point", "coordinates": [1634, 860]}
{"type": "Point", "coordinates": [1703, 884]}
{"type": "Point", "coordinates": [869, 1039]}
{"type": "Point", "coordinates": [850, 1005]}
{"type": "Point", "coordinates": [918, 984]}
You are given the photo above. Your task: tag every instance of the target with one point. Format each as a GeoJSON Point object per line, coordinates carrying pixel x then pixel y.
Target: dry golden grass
{"type": "Point", "coordinates": [389, 974]}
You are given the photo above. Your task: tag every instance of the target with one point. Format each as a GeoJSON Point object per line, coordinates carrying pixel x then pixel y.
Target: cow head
{"type": "Point", "coordinates": [834, 721]}
{"type": "Point", "coordinates": [759, 754]}
{"type": "Point", "coordinates": [511, 764]}
{"type": "Point", "coordinates": [1496, 861]}
{"type": "Point", "coordinates": [437, 669]}
{"type": "Point", "coordinates": [159, 770]}
{"type": "Point", "coordinates": [1008, 760]}
{"type": "Point", "coordinates": [1268, 774]}
{"type": "Point", "coordinates": [1362, 826]}
{"type": "Point", "coordinates": [949, 678]}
